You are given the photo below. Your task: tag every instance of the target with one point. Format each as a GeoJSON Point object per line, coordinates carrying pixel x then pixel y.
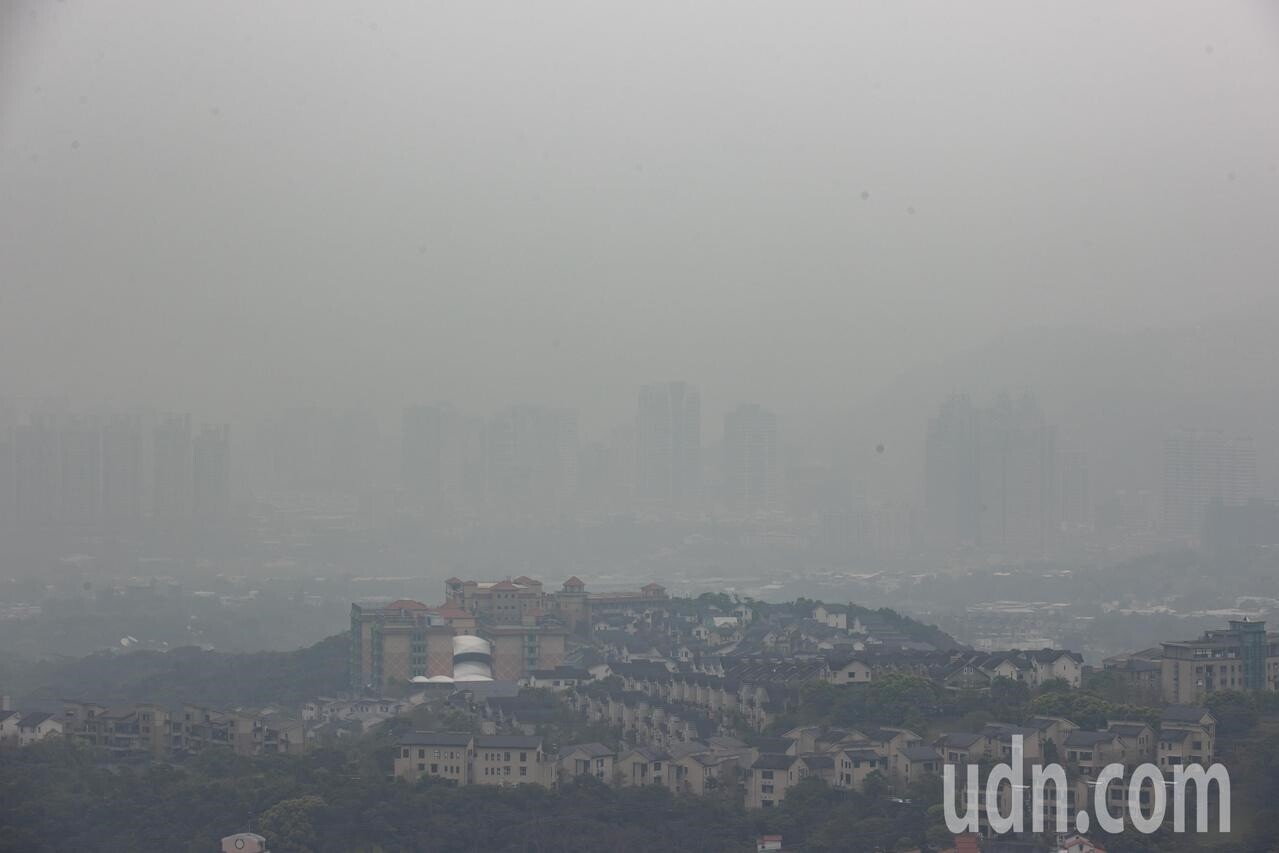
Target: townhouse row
{"type": "Point", "coordinates": [182, 730]}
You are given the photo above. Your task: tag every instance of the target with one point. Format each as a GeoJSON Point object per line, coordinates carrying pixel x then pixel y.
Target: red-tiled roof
{"type": "Point", "coordinates": [452, 581]}
{"type": "Point", "coordinates": [504, 585]}
{"type": "Point", "coordinates": [407, 604]}
{"type": "Point", "coordinates": [525, 579]}
{"type": "Point", "coordinates": [574, 581]}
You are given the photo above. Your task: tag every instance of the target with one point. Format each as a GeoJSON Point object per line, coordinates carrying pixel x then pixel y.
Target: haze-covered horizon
{"type": "Point", "coordinates": [235, 209]}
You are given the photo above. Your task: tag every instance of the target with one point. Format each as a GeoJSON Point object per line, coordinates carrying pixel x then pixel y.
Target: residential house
{"type": "Point", "coordinates": [1138, 740]}
{"type": "Point", "coordinates": [443, 755]}
{"type": "Point", "coordinates": [1000, 737]}
{"type": "Point", "coordinates": [769, 779]}
{"type": "Point", "coordinates": [643, 765]}
{"type": "Point", "coordinates": [849, 671]}
{"type": "Point", "coordinates": [852, 766]}
{"type": "Point", "coordinates": [1187, 735]}
{"type": "Point", "coordinates": [9, 726]}
{"type": "Point", "coordinates": [511, 760]}
{"type": "Point", "coordinates": [817, 765]}
{"type": "Point", "coordinates": [915, 762]}
{"type": "Point", "coordinates": [588, 759]}
{"type": "Point", "coordinates": [832, 615]}
{"type": "Point", "coordinates": [37, 726]}
{"type": "Point", "coordinates": [1088, 751]}
{"type": "Point", "coordinates": [1051, 730]}
{"type": "Point", "coordinates": [559, 678]}
{"type": "Point", "coordinates": [961, 748]}
{"type": "Point", "coordinates": [702, 772]}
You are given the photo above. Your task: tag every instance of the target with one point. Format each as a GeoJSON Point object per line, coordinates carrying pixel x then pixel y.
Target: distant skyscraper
{"type": "Point", "coordinates": [8, 485]}
{"type": "Point", "coordinates": [531, 456]}
{"type": "Point", "coordinates": [122, 468]}
{"type": "Point", "coordinates": [80, 468]}
{"type": "Point", "coordinates": [1074, 495]}
{"type": "Point", "coordinates": [751, 467]}
{"type": "Point", "coordinates": [668, 438]}
{"type": "Point", "coordinates": [424, 450]}
{"type": "Point", "coordinates": [1203, 468]}
{"type": "Point", "coordinates": [173, 491]}
{"type": "Point", "coordinates": [951, 500]}
{"type": "Point", "coordinates": [211, 473]}
{"type": "Point", "coordinates": [36, 458]}
{"type": "Point", "coordinates": [1016, 455]}
{"type": "Point", "coordinates": [990, 475]}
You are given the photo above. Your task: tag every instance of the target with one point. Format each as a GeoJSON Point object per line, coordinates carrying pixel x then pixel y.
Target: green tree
{"type": "Point", "coordinates": [290, 825]}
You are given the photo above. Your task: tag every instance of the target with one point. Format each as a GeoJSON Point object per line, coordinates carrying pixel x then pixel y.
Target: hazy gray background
{"type": "Point", "coordinates": [824, 207]}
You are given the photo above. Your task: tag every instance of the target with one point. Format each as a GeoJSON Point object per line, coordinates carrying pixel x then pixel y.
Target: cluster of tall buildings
{"type": "Point", "coordinates": [85, 469]}
{"type": "Point", "coordinates": [530, 461]}
{"type": "Point", "coordinates": [996, 480]}
{"type": "Point", "coordinates": [990, 475]}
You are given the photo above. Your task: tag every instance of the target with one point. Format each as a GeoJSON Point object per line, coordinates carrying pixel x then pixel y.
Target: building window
{"type": "Point", "coordinates": [523, 771]}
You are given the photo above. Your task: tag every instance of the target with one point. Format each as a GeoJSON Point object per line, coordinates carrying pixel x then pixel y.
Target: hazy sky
{"type": "Point", "coordinates": [230, 205]}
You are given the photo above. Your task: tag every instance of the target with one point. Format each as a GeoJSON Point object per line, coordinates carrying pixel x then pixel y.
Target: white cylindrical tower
{"type": "Point", "coordinates": [472, 659]}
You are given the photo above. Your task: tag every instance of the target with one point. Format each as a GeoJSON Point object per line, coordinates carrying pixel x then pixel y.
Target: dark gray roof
{"type": "Point", "coordinates": [30, 721]}
{"type": "Point", "coordinates": [534, 715]}
{"type": "Point", "coordinates": [1175, 735]}
{"type": "Point", "coordinates": [960, 740]}
{"type": "Point", "coordinates": [1128, 729]}
{"type": "Point", "coordinates": [594, 749]}
{"type": "Point", "coordinates": [863, 754]}
{"type": "Point", "coordinates": [819, 760]}
{"type": "Point", "coordinates": [1005, 731]}
{"type": "Point", "coordinates": [434, 739]}
{"type": "Point", "coordinates": [1088, 739]}
{"type": "Point", "coordinates": [919, 753]}
{"type": "Point", "coordinates": [1184, 713]}
{"type": "Point", "coordinates": [773, 744]}
{"type": "Point", "coordinates": [649, 753]}
{"type": "Point", "coordinates": [507, 742]}
{"type": "Point", "coordinates": [1044, 723]}
{"type": "Point", "coordinates": [710, 759]}
{"type": "Point", "coordinates": [772, 761]}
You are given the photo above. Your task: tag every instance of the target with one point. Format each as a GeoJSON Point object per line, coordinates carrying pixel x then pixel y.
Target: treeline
{"type": "Point", "coordinates": [57, 798]}
{"type": "Point", "coordinates": [913, 629]}
{"type": "Point", "coordinates": [218, 679]}
{"type": "Point", "coordinates": [917, 703]}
